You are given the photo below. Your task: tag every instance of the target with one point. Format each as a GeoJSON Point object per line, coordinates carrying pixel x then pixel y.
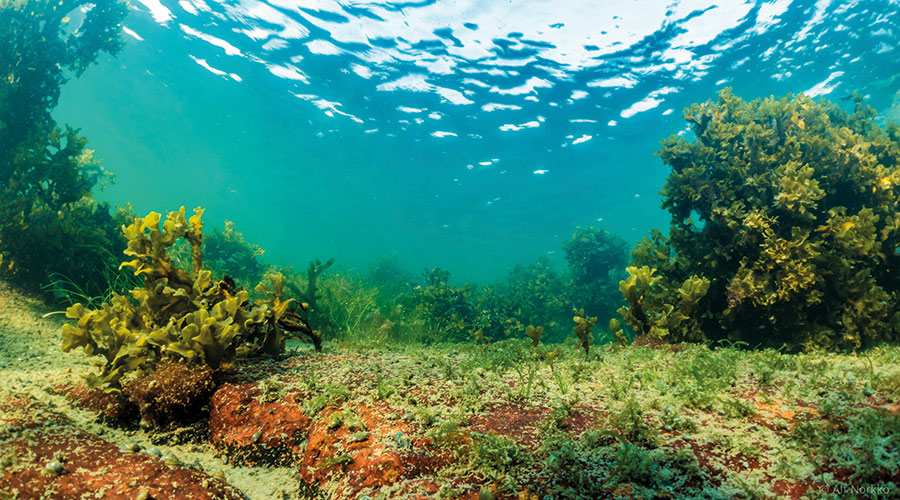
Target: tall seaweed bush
{"type": "Point", "coordinates": [785, 228]}
{"type": "Point", "coordinates": [51, 229]}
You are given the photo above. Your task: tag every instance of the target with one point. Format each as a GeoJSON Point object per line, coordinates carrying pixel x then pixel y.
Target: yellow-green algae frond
{"type": "Point", "coordinates": [179, 315]}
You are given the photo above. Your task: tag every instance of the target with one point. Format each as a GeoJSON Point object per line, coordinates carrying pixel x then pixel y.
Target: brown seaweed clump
{"type": "Point", "coordinates": [178, 317]}
{"type": "Point", "coordinates": [784, 228]}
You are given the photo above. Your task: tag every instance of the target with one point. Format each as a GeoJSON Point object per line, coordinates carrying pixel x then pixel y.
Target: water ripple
{"type": "Point", "coordinates": [590, 64]}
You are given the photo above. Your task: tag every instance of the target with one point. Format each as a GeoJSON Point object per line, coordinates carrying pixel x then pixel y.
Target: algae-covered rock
{"type": "Point", "coordinates": [173, 391]}
{"type": "Point", "coordinates": [784, 228]}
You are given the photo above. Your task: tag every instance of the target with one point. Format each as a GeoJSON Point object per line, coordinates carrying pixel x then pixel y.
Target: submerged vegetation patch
{"type": "Point", "coordinates": [53, 233]}
{"type": "Point", "coordinates": [785, 228]}
{"type": "Point", "coordinates": [180, 316]}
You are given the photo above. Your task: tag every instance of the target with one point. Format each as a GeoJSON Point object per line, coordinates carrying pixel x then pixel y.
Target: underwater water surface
{"type": "Point", "coordinates": [471, 135]}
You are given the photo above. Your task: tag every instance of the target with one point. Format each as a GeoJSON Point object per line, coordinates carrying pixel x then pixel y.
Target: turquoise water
{"type": "Point", "coordinates": [462, 134]}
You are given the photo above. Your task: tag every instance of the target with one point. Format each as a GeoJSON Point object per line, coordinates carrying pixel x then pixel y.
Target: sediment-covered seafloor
{"type": "Point", "coordinates": [460, 421]}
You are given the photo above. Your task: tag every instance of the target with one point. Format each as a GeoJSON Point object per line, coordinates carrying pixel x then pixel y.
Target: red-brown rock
{"type": "Point", "coordinates": [250, 431]}
{"type": "Point", "coordinates": [44, 456]}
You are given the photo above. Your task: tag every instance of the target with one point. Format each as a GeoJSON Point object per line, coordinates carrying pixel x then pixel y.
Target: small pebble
{"type": "Point", "coordinates": [54, 469]}
{"type": "Point", "coordinates": [401, 440]}
{"type": "Point", "coordinates": [171, 460]}
{"type": "Point", "coordinates": [133, 447]}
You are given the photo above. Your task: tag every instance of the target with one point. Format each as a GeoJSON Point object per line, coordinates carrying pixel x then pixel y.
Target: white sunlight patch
{"type": "Point", "coordinates": [229, 49]}
{"type": "Point", "coordinates": [497, 107]}
{"type": "Point", "coordinates": [324, 48]}
{"type": "Point", "coordinates": [616, 81]}
{"type": "Point", "coordinates": [418, 83]}
{"type": "Point", "coordinates": [583, 138]}
{"type": "Point", "coordinates": [528, 87]}
{"type": "Point", "coordinates": [578, 94]}
{"type": "Point", "coordinates": [288, 71]}
{"type": "Point", "coordinates": [647, 103]}
{"type": "Point", "coordinates": [160, 12]}
{"type": "Point", "coordinates": [826, 86]}
{"type": "Point", "coordinates": [203, 63]}
{"type": "Point", "coordinates": [132, 34]}
{"type": "Point", "coordinates": [330, 108]}
{"type": "Point", "coordinates": [509, 127]}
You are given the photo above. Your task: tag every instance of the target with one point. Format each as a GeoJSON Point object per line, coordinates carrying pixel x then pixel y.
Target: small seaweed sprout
{"type": "Point", "coordinates": [583, 327]}
{"type": "Point", "coordinates": [535, 333]}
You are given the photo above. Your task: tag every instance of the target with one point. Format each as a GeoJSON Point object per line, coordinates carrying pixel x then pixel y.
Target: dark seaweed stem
{"type": "Point", "coordinates": [294, 322]}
